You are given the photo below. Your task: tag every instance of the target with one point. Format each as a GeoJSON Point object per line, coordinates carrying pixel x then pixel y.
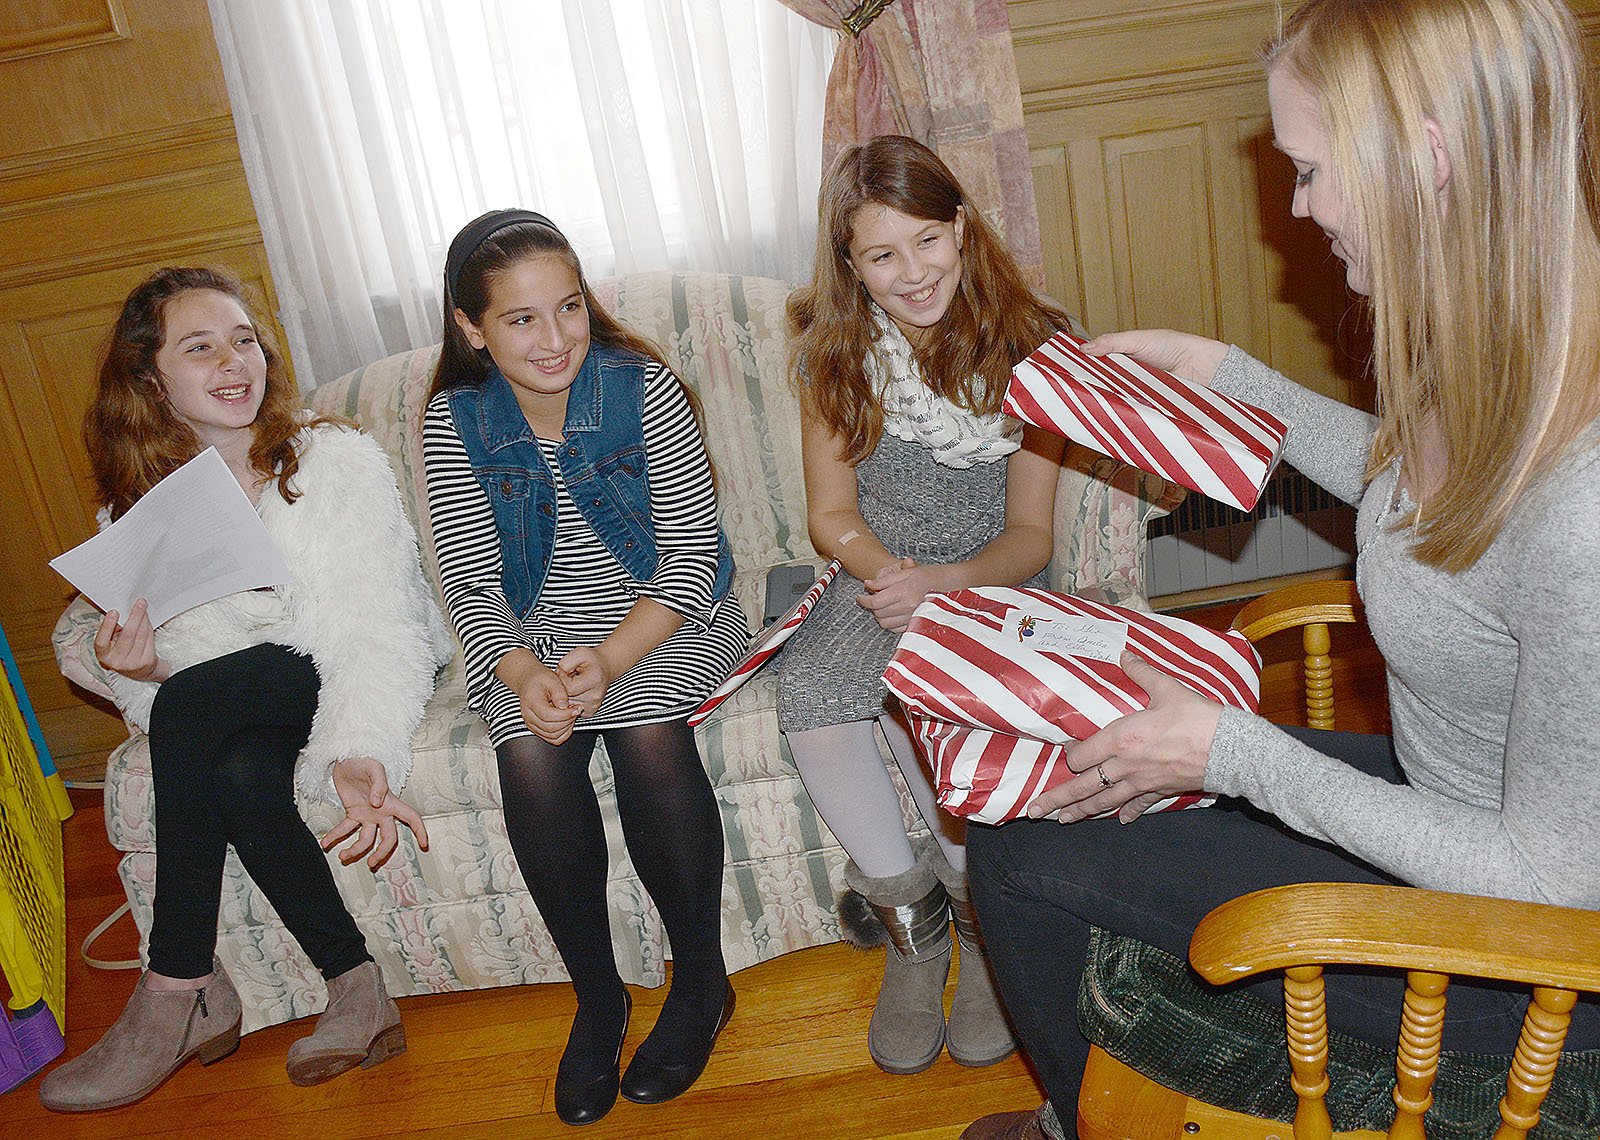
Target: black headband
{"type": "Point", "coordinates": [478, 231]}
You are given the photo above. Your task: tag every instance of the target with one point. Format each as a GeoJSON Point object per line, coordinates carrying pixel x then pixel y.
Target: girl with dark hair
{"type": "Point", "coordinates": [575, 517]}
{"type": "Point", "coordinates": [905, 340]}
{"type": "Point", "coordinates": [312, 688]}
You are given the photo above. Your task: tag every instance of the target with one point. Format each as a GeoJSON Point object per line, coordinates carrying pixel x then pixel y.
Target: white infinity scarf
{"type": "Point", "coordinates": [914, 412]}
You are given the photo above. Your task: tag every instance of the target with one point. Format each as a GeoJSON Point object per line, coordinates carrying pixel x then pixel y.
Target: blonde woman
{"type": "Point", "coordinates": [1441, 146]}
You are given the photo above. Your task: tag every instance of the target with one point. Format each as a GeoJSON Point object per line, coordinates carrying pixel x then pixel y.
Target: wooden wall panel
{"type": "Point", "coordinates": [31, 28]}
{"type": "Point", "coordinates": [1162, 174]}
{"type": "Point", "coordinates": [1161, 199]}
{"type": "Point", "coordinates": [1153, 115]}
{"type": "Point", "coordinates": [119, 157]}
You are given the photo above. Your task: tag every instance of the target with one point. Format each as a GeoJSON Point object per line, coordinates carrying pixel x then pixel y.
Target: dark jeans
{"type": "Point", "coordinates": [224, 736]}
{"type": "Point", "coordinates": [1039, 886]}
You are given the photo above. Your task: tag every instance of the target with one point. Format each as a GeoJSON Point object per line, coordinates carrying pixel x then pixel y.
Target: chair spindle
{"type": "Point", "coordinates": [1318, 643]}
{"type": "Point", "coordinates": [1533, 1065]}
{"type": "Point", "coordinates": [1417, 1059]}
{"type": "Point", "coordinates": [1306, 1013]}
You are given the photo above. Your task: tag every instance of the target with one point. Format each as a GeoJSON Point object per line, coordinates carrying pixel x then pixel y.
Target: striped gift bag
{"type": "Point", "coordinates": [1202, 439]}
{"type": "Point", "coordinates": [995, 714]}
{"type": "Point", "coordinates": [766, 643]}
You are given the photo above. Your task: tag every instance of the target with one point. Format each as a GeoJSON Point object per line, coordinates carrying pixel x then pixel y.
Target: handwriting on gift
{"type": "Point", "coordinates": [1094, 638]}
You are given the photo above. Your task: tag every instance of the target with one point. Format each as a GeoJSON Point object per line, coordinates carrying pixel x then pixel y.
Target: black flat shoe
{"type": "Point", "coordinates": [584, 1102]}
{"type": "Point", "coordinates": [651, 1082]}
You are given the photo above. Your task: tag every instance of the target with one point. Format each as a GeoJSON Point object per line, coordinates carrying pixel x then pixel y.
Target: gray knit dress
{"type": "Point", "coordinates": [831, 670]}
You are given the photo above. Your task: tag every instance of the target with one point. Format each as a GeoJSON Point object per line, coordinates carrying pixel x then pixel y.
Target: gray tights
{"type": "Point", "coordinates": [846, 778]}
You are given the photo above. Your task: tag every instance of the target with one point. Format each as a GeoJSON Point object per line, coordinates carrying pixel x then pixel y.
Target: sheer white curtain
{"type": "Point", "coordinates": [682, 134]}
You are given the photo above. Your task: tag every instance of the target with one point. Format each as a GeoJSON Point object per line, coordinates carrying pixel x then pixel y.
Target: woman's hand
{"type": "Point", "coordinates": [898, 589]}
{"type": "Point", "coordinates": [547, 709]}
{"type": "Point", "coordinates": [129, 648]}
{"type": "Point", "coordinates": [585, 676]}
{"type": "Point", "coordinates": [370, 812]}
{"type": "Point", "coordinates": [1140, 758]}
{"type": "Point", "coordinates": [1185, 355]}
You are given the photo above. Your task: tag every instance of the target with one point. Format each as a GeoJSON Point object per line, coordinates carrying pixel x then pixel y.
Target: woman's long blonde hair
{"type": "Point", "coordinates": [993, 321]}
{"type": "Point", "coordinates": [1483, 297]}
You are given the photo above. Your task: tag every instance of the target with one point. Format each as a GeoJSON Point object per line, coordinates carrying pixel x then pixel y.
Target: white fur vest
{"type": "Point", "coordinates": [356, 603]}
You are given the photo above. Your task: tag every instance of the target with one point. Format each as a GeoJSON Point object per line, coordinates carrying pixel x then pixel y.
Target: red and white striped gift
{"type": "Point", "coordinates": [767, 642]}
{"type": "Point", "coordinates": [1209, 442]}
{"type": "Point", "coordinates": [995, 715]}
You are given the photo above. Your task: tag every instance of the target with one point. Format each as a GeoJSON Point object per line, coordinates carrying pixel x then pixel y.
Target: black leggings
{"type": "Point", "coordinates": [224, 736]}
{"type": "Point", "coordinates": [1040, 885]}
{"type": "Point", "coordinates": [673, 831]}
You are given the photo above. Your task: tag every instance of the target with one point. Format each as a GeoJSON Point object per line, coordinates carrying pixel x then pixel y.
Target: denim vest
{"type": "Point", "coordinates": [603, 462]}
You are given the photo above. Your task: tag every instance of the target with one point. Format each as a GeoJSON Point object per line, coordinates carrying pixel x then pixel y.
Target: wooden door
{"type": "Point", "coordinates": [1161, 199]}
{"type": "Point", "coordinates": [118, 156]}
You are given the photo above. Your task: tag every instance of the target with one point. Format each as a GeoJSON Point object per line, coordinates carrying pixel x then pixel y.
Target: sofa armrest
{"type": "Point", "coordinates": [73, 642]}
{"type": "Point", "coordinates": [1104, 508]}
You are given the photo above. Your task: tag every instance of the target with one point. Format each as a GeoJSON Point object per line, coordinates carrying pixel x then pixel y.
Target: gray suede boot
{"type": "Point", "coordinates": [911, 915]}
{"type": "Point", "coordinates": [156, 1034]}
{"type": "Point", "coordinates": [979, 1033]}
{"type": "Point", "coordinates": [361, 1026]}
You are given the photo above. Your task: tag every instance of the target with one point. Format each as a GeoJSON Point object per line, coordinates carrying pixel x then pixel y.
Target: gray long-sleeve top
{"type": "Point", "coordinates": [1493, 675]}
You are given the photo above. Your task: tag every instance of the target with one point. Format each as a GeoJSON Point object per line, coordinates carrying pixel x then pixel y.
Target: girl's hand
{"type": "Point", "coordinates": [898, 589]}
{"type": "Point", "coordinates": [1185, 355]}
{"type": "Point", "coordinates": [370, 812]}
{"type": "Point", "coordinates": [546, 708]}
{"type": "Point", "coordinates": [585, 676]}
{"type": "Point", "coordinates": [1138, 759]}
{"type": "Point", "coordinates": [130, 648]}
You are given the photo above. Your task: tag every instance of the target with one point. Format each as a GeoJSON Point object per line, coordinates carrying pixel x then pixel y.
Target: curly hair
{"type": "Point", "coordinates": [994, 319]}
{"type": "Point", "coordinates": [134, 438]}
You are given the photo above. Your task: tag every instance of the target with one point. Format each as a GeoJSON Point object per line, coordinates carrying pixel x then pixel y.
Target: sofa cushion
{"type": "Point", "coordinates": [458, 916]}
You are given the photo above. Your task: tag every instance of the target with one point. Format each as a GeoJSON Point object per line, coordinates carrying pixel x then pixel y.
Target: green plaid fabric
{"type": "Point", "coordinates": [1228, 1048]}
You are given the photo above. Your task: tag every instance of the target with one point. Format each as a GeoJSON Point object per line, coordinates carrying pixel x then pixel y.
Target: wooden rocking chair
{"type": "Point", "coordinates": [1555, 951]}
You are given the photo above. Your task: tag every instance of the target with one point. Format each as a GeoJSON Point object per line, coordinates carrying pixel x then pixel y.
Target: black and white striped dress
{"type": "Point", "coordinates": [587, 592]}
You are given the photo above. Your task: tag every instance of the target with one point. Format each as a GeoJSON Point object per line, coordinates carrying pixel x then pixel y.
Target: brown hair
{"type": "Point", "coordinates": [469, 291]}
{"type": "Point", "coordinates": [461, 364]}
{"type": "Point", "coordinates": [1483, 313]}
{"type": "Point", "coordinates": [994, 319]}
{"type": "Point", "coordinates": [133, 436]}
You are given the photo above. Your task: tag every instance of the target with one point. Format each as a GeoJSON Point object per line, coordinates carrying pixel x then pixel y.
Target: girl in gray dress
{"type": "Point", "coordinates": [915, 482]}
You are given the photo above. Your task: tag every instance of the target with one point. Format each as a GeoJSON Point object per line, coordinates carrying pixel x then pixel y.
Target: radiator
{"type": "Point", "coordinates": [1295, 527]}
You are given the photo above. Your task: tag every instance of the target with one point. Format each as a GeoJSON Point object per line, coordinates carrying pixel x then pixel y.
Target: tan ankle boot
{"type": "Point", "coordinates": [907, 1029]}
{"type": "Point", "coordinates": [158, 1031]}
{"type": "Point", "coordinates": [1040, 1124]}
{"type": "Point", "coordinates": [979, 1033]}
{"type": "Point", "coordinates": [361, 1026]}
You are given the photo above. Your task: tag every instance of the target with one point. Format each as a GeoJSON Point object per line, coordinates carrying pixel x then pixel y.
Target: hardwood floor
{"type": "Point", "coordinates": [792, 1063]}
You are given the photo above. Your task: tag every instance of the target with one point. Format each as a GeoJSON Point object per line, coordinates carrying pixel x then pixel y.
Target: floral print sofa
{"type": "Point", "coordinates": [457, 916]}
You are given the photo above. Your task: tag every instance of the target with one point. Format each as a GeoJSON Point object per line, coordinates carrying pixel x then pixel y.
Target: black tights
{"type": "Point", "coordinates": [224, 736]}
{"type": "Point", "coordinates": [673, 831]}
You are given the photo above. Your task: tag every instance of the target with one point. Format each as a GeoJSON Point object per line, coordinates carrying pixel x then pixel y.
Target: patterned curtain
{"type": "Point", "coordinates": [943, 72]}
